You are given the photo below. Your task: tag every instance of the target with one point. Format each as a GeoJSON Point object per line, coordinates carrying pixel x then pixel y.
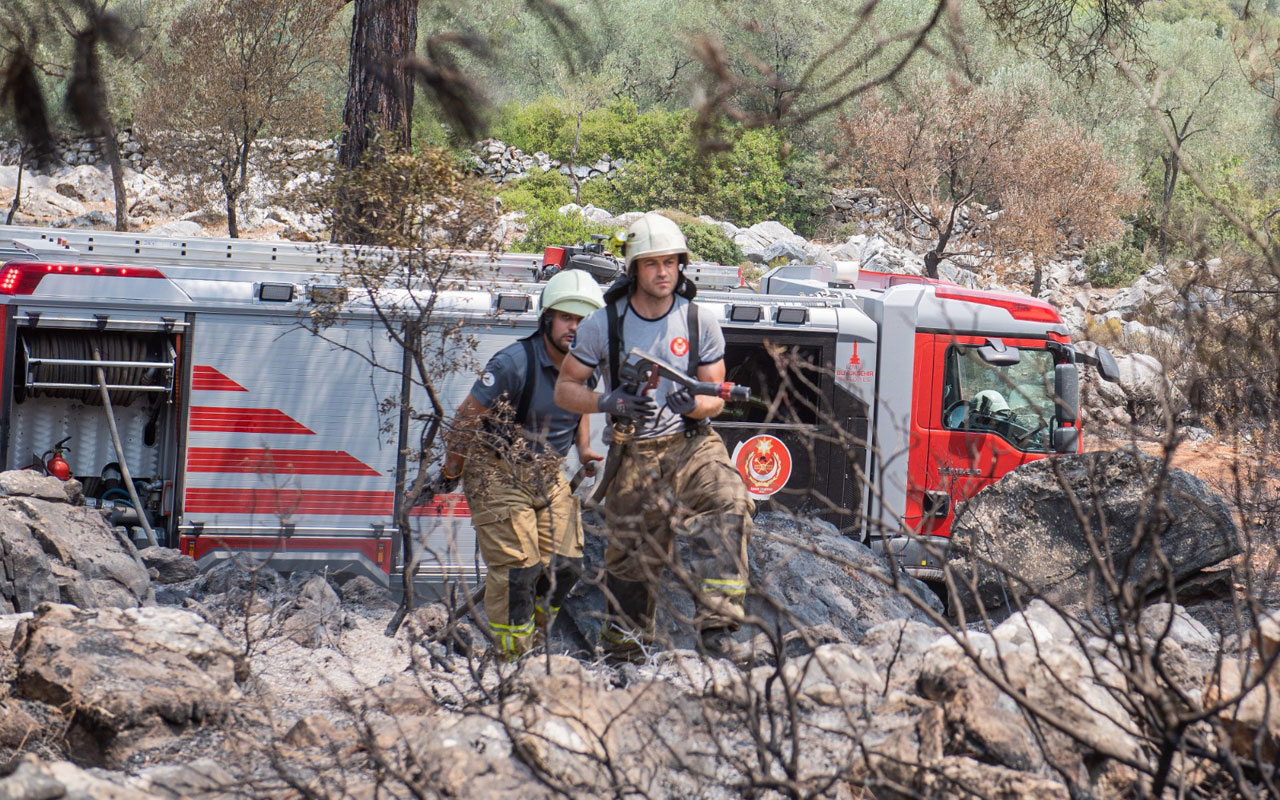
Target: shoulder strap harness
{"type": "Point", "coordinates": [530, 381]}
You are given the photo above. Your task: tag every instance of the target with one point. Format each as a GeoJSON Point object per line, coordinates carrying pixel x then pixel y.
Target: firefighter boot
{"type": "Point", "coordinates": [557, 580]}
{"type": "Point", "coordinates": [717, 558]}
{"type": "Point", "coordinates": [513, 636]}
{"type": "Point", "coordinates": [627, 633]}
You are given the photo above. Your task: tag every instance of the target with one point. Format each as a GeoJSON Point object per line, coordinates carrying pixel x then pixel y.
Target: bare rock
{"type": "Point", "coordinates": [804, 572]}
{"type": "Point", "coordinates": [56, 552]}
{"type": "Point", "coordinates": [361, 591]}
{"type": "Point", "coordinates": [134, 676]}
{"type": "Point", "coordinates": [171, 565]}
{"type": "Point", "coordinates": [314, 615]}
{"type": "Point", "coordinates": [839, 675]}
{"type": "Point", "coordinates": [203, 778]}
{"type": "Point", "coordinates": [33, 778]}
{"type": "Point", "coordinates": [29, 483]}
{"type": "Point", "coordinates": [313, 731]}
{"type": "Point", "coordinates": [1254, 722]}
{"type": "Point", "coordinates": [1020, 538]}
{"type": "Point", "coordinates": [17, 727]}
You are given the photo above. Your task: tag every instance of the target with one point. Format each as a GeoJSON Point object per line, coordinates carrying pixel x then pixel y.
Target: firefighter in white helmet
{"type": "Point", "coordinates": [507, 443]}
{"type": "Point", "coordinates": [674, 476]}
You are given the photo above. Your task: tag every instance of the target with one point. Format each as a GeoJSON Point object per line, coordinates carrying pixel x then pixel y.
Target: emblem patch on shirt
{"type": "Point", "coordinates": [679, 345]}
{"type": "Point", "coordinates": [487, 378]}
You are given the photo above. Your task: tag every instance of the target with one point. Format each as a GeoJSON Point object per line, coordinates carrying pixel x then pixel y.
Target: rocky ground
{"type": "Point", "coordinates": [126, 674]}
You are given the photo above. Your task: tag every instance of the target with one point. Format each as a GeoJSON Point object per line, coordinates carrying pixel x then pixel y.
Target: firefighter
{"type": "Point", "coordinates": [507, 444]}
{"type": "Point", "coordinates": [674, 476]}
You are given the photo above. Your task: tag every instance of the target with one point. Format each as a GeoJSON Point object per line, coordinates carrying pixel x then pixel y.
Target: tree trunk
{"type": "Point", "coordinates": [17, 190]}
{"type": "Point", "coordinates": [111, 150]}
{"type": "Point", "coordinates": [233, 228]}
{"type": "Point", "coordinates": [573, 161]}
{"type": "Point", "coordinates": [931, 260]}
{"type": "Point", "coordinates": [1172, 166]}
{"type": "Point", "coordinates": [379, 103]}
{"type": "Point", "coordinates": [1038, 280]}
{"type": "Point", "coordinates": [379, 93]}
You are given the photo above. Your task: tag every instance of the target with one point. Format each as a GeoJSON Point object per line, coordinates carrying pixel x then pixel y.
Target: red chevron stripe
{"type": "Point", "coordinates": [288, 502]}
{"type": "Point", "coordinates": [245, 420]}
{"type": "Point", "coordinates": [209, 379]}
{"type": "Point", "coordinates": [275, 462]}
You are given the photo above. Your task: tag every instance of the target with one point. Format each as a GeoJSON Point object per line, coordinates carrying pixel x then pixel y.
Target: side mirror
{"type": "Point", "coordinates": [996, 353]}
{"type": "Point", "coordinates": [1107, 366]}
{"type": "Point", "coordinates": [1108, 369]}
{"type": "Point", "coordinates": [1066, 391]}
{"type": "Point", "coordinates": [1066, 440]}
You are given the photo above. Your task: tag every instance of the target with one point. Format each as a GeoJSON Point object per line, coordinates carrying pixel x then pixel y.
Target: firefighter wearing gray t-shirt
{"type": "Point", "coordinates": [507, 443]}
{"type": "Point", "coordinates": [674, 476]}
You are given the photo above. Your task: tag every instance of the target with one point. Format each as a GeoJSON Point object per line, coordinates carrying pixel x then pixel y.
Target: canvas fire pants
{"type": "Point", "coordinates": [675, 486]}
{"type": "Point", "coordinates": [529, 532]}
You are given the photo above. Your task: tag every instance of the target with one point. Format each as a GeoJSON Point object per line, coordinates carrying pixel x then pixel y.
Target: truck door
{"type": "Point", "coordinates": [777, 441]}
{"type": "Point", "coordinates": [983, 420]}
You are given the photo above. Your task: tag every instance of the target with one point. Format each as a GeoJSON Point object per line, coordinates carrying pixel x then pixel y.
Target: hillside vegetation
{"type": "Point", "coordinates": [750, 113]}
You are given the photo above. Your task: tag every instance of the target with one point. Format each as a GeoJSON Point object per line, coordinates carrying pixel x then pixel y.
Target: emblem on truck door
{"type": "Point", "coordinates": [764, 463]}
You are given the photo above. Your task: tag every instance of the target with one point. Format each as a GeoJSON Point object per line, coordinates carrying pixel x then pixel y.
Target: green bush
{"type": "Point", "coordinates": [533, 127]}
{"type": "Point", "coordinates": [1115, 264]}
{"type": "Point", "coordinates": [537, 191]}
{"type": "Point", "coordinates": [548, 227]}
{"type": "Point", "coordinates": [755, 178]}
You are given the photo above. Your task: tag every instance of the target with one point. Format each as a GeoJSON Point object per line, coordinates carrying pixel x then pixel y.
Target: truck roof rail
{"type": "Point", "coordinates": [21, 243]}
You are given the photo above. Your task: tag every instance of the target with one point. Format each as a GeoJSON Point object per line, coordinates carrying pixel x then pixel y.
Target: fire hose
{"type": "Point", "coordinates": [115, 440]}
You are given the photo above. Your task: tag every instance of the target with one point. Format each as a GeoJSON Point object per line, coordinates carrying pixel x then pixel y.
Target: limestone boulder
{"type": "Point", "coordinates": [170, 565]}
{"type": "Point", "coordinates": [804, 575]}
{"type": "Point", "coordinates": [1020, 537]}
{"type": "Point", "coordinates": [30, 777]}
{"type": "Point", "coordinates": [135, 676]}
{"type": "Point", "coordinates": [53, 551]}
{"type": "Point", "coordinates": [85, 183]}
{"type": "Point", "coordinates": [313, 611]}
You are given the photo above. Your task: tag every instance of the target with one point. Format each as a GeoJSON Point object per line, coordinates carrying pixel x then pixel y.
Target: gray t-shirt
{"type": "Point", "coordinates": [548, 425]}
{"type": "Point", "coordinates": [666, 338]}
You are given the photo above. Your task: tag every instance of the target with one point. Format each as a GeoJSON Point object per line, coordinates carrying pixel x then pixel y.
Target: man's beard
{"type": "Point", "coordinates": [564, 351]}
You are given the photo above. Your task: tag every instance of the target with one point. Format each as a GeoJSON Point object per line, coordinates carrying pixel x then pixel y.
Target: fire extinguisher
{"type": "Point", "coordinates": [57, 466]}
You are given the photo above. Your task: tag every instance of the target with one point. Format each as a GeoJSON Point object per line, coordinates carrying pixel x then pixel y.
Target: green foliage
{"type": "Point", "coordinates": [534, 127]}
{"type": "Point", "coordinates": [1118, 263]}
{"type": "Point", "coordinates": [538, 191]}
{"type": "Point", "coordinates": [540, 197]}
{"type": "Point", "coordinates": [542, 194]}
{"type": "Point", "coordinates": [706, 241]}
{"type": "Point", "coordinates": [757, 177]}
{"type": "Point", "coordinates": [547, 226]}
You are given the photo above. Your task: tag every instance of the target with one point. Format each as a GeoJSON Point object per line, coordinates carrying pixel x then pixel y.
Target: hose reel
{"type": "Point", "coordinates": [60, 363]}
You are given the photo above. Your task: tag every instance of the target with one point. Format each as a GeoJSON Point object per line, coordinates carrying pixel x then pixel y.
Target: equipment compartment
{"type": "Point", "coordinates": [56, 398]}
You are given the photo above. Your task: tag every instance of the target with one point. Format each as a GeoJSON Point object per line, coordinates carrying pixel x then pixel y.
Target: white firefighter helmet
{"type": "Point", "coordinates": [989, 401]}
{"type": "Point", "coordinates": [655, 235]}
{"type": "Point", "coordinates": [573, 291]}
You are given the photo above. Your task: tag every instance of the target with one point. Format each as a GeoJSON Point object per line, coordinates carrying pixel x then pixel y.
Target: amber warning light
{"type": "Point", "coordinates": [24, 278]}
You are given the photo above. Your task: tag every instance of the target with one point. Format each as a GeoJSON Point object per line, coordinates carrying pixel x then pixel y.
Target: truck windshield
{"type": "Point", "coordinates": [1014, 402]}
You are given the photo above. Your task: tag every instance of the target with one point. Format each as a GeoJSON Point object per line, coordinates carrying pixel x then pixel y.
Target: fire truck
{"type": "Point", "coordinates": [880, 400]}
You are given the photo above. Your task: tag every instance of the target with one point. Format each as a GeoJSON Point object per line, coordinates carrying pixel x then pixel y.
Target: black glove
{"type": "Point", "coordinates": [440, 484]}
{"type": "Point", "coordinates": [682, 402]}
{"type": "Point", "coordinates": [621, 403]}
